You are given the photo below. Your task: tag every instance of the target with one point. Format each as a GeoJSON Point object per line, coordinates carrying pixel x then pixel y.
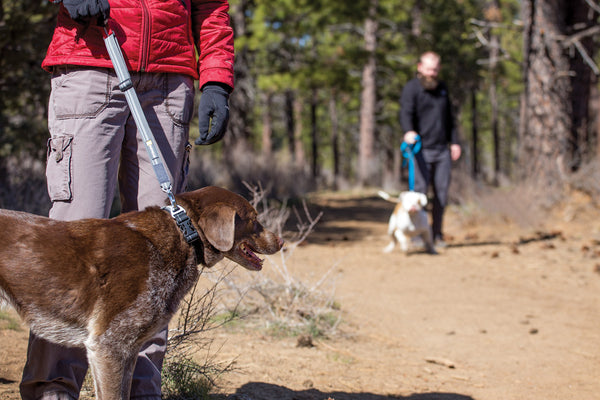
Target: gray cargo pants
{"type": "Point", "coordinates": [434, 167]}
{"type": "Point", "coordinates": [94, 146]}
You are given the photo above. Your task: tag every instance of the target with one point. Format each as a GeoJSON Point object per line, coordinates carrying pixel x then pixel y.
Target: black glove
{"type": "Point", "coordinates": [83, 10]}
{"type": "Point", "coordinates": [213, 113]}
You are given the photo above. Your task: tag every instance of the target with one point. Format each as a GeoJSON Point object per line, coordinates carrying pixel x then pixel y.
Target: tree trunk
{"type": "Point", "coordinates": [299, 148]}
{"type": "Point", "coordinates": [267, 125]}
{"type": "Point", "coordinates": [474, 135]}
{"type": "Point", "coordinates": [289, 123]}
{"type": "Point", "coordinates": [579, 146]}
{"type": "Point", "coordinates": [366, 164]}
{"type": "Point", "coordinates": [314, 138]}
{"type": "Point", "coordinates": [335, 145]}
{"type": "Point", "coordinates": [494, 50]}
{"type": "Point", "coordinates": [547, 107]}
{"type": "Point", "coordinates": [241, 101]}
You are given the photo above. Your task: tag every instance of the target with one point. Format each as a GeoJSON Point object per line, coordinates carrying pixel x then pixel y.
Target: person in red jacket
{"type": "Point", "coordinates": [95, 148]}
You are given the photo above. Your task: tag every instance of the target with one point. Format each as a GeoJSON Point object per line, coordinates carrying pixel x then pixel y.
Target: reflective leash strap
{"type": "Point", "coordinates": [126, 86]}
{"type": "Point", "coordinates": [408, 154]}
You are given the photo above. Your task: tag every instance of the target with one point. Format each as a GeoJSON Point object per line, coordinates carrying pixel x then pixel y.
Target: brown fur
{"type": "Point", "coordinates": [109, 284]}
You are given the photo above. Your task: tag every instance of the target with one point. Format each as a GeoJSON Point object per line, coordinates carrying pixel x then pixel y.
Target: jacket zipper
{"type": "Point", "coordinates": [145, 42]}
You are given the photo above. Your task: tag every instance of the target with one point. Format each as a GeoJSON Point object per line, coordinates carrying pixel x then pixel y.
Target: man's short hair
{"type": "Point", "coordinates": [430, 54]}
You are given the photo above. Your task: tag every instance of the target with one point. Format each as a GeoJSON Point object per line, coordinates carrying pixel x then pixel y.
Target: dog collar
{"type": "Point", "coordinates": [184, 223]}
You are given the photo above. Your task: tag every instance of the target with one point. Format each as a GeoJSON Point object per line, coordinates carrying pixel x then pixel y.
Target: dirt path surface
{"type": "Point", "coordinates": [504, 312]}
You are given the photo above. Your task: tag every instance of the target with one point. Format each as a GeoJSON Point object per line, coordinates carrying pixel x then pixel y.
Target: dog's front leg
{"type": "Point", "coordinates": [112, 370]}
{"type": "Point", "coordinates": [402, 240]}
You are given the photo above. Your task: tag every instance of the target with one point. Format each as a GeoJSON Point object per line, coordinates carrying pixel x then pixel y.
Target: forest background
{"type": "Point", "coordinates": [318, 82]}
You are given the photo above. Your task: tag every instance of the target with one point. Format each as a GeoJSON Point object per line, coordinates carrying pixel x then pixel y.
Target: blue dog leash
{"type": "Point", "coordinates": [408, 156]}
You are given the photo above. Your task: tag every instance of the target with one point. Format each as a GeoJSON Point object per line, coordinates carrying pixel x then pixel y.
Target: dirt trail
{"type": "Point", "coordinates": [489, 318]}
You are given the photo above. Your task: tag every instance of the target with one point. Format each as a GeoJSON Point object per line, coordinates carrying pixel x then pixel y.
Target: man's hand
{"type": "Point", "coordinates": [83, 10]}
{"type": "Point", "coordinates": [455, 152]}
{"type": "Point", "coordinates": [410, 137]}
{"type": "Point", "coordinates": [213, 113]}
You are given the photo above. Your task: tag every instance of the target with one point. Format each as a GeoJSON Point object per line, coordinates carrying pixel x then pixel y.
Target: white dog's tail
{"type": "Point", "coordinates": [386, 196]}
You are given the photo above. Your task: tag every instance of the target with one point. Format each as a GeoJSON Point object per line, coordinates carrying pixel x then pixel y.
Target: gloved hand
{"type": "Point", "coordinates": [83, 10]}
{"type": "Point", "coordinates": [213, 113]}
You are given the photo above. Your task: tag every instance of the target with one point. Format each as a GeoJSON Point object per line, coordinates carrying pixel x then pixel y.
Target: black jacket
{"type": "Point", "coordinates": [429, 113]}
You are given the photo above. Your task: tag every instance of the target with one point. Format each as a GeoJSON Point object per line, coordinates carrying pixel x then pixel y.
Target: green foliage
{"type": "Point", "coordinates": [7, 321]}
{"type": "Point", "coordinates": [185, 379]}
{"type": "Point", "coordinates": [25, 30]}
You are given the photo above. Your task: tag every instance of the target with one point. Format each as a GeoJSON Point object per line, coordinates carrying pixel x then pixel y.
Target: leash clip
{"type": "Point", "coordinates": [183, 222]}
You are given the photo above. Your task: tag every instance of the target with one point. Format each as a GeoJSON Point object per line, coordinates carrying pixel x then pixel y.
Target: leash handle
{"type": "Point", "coordinates": [408, 153]}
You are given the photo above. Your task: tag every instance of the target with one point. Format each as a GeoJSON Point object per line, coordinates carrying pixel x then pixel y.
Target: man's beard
{"type": "Point", "coordinates": [428, 83]}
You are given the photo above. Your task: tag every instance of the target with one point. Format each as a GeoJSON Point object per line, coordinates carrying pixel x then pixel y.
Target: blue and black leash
{"type": "Point", "coordinates": [408, 156]}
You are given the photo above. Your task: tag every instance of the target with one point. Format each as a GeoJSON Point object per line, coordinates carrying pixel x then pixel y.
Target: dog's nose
{"type": "Point", "coordinates": [280, 242]}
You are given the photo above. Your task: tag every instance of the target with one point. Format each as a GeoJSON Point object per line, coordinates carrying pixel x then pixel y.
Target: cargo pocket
{"type": "Point", "coordinates": [58, 168]}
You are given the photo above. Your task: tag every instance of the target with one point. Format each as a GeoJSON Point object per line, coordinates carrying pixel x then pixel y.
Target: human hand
{"type": "Point", "coordinates": [455, 152]}
{"type": "Point", "coordinates": [410, 137]}
{"type": "Point", "coordinates": [213, 114]}
{"type": "Point", "coordinates": [83, 10]}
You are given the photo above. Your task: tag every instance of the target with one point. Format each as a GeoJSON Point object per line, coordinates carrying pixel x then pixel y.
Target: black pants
{"type": "Point", "coordinates": [433, 167]}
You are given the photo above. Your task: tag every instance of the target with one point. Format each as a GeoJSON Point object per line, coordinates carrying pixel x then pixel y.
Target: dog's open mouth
{"type": "Point", "coordinates": [249, 254]}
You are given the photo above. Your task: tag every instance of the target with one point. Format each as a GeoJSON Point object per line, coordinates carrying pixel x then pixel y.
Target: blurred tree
{"type": "Point", "coordinates": [242, 99]}
{"type": "Point", "coordinates": [500, 40]}
{"type": "Point", "coordinates": [367, 166]}
{"type": "Point", "coordinates": [25, 30]}
{"type": "Point", "coordinates": [558, 57]}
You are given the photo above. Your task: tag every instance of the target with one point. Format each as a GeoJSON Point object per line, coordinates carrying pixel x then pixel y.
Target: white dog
{"type": "Point", "coordinates": [408, 220]}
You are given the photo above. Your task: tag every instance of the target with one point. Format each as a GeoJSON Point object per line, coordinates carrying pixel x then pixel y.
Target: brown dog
{"type": "Point", "coordinates": [110, 284]}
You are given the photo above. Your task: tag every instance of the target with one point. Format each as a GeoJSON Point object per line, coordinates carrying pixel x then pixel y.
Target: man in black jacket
{"type": "Point", "coordinates": [426, 114]}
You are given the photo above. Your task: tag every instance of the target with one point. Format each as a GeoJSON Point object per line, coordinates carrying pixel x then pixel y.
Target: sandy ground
{"type": "Point", "coordinates": [506, 311]}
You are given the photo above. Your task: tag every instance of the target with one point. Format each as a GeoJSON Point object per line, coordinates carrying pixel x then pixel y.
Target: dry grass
{"type": "Point", "coordinates": [282, 305]}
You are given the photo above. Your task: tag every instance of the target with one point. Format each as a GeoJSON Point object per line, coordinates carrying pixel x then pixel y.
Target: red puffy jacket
{"type": "Point", "coordinates": [155, 36]}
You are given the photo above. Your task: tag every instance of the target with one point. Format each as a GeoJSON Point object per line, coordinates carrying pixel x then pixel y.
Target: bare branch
{"type": "Point", "coordinates": [488, 24]}
{"type": "Point", "coordinates": [570, 40]}
{"type": "Point", "coordinates": [593, 6]}
{"type": "Point", "coordinates": [575, 41]}
{"type": "Point", "coordinates": [480, 36]}
{"type": "Point", "coordinates": [588, 60]}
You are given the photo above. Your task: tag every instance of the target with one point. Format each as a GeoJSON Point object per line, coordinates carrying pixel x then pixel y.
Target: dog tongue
{"type": "Point", "coordinates": [251, 256]}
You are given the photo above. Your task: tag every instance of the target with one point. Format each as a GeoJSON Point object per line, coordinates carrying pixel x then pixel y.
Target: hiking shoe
{"type": "Point", "coordinates": [440, 242]}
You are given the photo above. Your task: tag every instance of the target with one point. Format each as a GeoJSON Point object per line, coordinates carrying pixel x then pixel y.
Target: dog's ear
{"type": "Point", "coordinates": [423, 199]}
{"type": "Point", "coordinates": [218, 224]}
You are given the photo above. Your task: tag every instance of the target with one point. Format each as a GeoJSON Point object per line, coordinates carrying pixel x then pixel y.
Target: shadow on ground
{"type": "Point", "coordinates": [266, 391]}
{"type": "Point", "coordinates": [342, 221]}
{"type": "Point", "coordinates": [335, 224]}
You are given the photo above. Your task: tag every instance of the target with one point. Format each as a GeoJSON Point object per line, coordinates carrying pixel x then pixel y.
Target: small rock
{"type": "Point", "coordinates": [305, 341]}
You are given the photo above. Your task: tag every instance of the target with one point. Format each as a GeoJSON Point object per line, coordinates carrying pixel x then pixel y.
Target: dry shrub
{"type": "Point", "coordinates": [528, 204]}
{"type": "Point", "coordinates": [277, 301]}
{"type": "Point", "coordinates": [284, 305]}
{"type": "Point", "coordinates": [190, 369]}
{"type": "Point", "coordinates": [587, 180]}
